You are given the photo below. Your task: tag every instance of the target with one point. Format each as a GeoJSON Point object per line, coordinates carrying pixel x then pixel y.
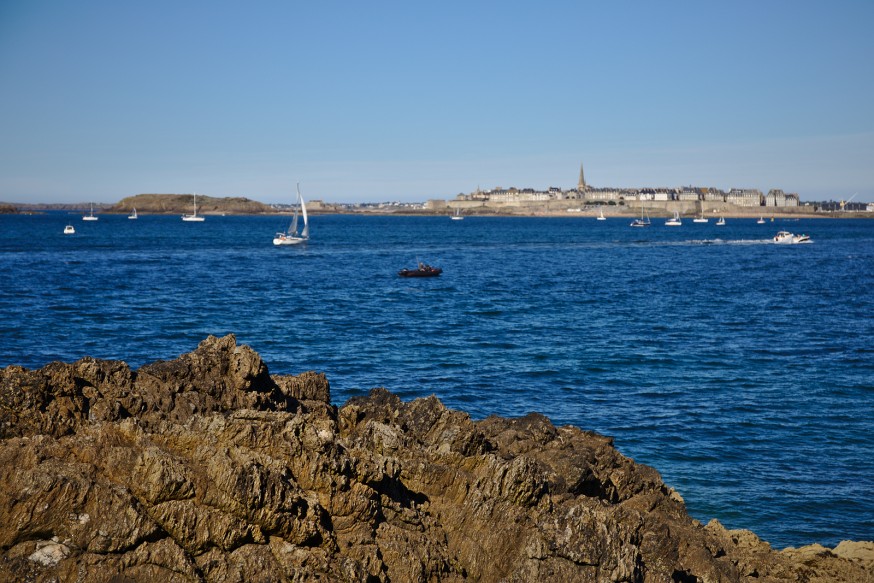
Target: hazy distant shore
{"type": "Point", "coordinates": [219, 207]}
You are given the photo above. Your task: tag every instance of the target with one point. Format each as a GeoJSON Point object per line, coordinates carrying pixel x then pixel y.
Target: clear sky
{"type": "Point", "coordinates": [377, 101]}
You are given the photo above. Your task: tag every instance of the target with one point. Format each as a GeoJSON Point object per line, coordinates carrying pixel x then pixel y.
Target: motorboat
{"type": "Point", "coordinates": [784, 238]}
{"type": "Point", "coordinates": [674, 221]}
{"type": "Point", "coordinates": [787, 238]}
{"type": "Point", "coordinates": [69, 230]}
{"type": "Point", "coordinates": [423, 270]}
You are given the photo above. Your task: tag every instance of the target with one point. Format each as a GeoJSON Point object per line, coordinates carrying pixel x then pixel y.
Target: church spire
{"type": "Point", "coordinates": [581, 185]}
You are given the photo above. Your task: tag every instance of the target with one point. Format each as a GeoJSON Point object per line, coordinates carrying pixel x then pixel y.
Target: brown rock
{"type": "Point", "coordinates": [206, 468]}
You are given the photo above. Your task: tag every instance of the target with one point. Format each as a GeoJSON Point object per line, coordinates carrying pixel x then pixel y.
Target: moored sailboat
{"type": "Point", "coordinates": [193, 217]}
{"type": "Point", "coordinates": [90, 216]}
{"type": "Point", "coordinates": [641, 222]}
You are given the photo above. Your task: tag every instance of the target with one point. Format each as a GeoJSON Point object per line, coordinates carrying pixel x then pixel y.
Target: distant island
{"type": "Point", "coordinates": [166, 204]}
{"type": "Point", "coordinates": [183, 203]}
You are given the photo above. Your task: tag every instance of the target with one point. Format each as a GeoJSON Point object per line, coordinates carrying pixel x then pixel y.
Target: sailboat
{"type": "Point", "coordinates": [290, 236]}
{"type": "Point", "coordinates": [720, 222]}
{"type": "Point", "coordinates": [601, 216]}
{"type": "Point", "coordinates": [674, 221]}
{"type": "Point", "coordinates": [761, 221]}
{"type": "Point", "coordinates": [90, 216]}
{"type": "Point", "coordinates": [193, 217]}
{"type": "Point", "coordinates": [641, 222]}
{"type": "Point", "coordinates": [133, 214]}
{"type": "Point", "coordinates": [700, 219]}
{"type": "Point", "coordinates": [457, 216]}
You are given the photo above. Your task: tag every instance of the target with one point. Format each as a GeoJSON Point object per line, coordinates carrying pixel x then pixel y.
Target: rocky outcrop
{"type": "Point", "coordinates": [207, 468]}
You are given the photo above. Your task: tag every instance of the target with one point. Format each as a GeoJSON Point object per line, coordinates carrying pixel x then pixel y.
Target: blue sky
{"type": "Point", "coordinates": [409, 101]}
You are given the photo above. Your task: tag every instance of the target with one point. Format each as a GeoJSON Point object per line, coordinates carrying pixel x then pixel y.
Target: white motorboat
{"type": "Point", "coordinates": [69, 230]}
{"type": "Point", "coordinates": [290, 235]}
{"type": "Point", "coordinates": [674, 221]}
{"type": "Point", "coordinates": [787, 238]}
{"type": "Point", "coordinates": [193, 217]}
{"type": "Point", "coordinates": [784, 238]}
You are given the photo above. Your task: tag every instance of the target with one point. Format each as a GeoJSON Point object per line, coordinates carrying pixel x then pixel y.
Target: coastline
{"type": "Point", "coordinates": [208, 466]}
{"type": "Point", "coordinates": [174, 205]}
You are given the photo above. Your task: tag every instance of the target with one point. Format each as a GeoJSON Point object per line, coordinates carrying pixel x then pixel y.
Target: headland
{"type": "Point", "coordinates": [209, 468]}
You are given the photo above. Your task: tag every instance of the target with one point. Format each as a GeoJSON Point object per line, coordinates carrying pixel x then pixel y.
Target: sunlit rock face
{"type": "Point", "coordinates": [207, 468]}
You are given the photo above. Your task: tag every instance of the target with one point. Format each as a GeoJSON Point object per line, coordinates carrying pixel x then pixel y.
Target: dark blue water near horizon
{"type": "Point", "coordinates": [742, 370]}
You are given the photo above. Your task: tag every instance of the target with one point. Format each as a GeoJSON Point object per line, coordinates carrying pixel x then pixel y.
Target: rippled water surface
{"type": "Point", "coordinates": [742, 370]}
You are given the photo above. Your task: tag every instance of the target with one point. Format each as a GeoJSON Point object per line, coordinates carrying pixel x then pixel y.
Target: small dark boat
{"type": "Point", "coordinates": [422, 271]}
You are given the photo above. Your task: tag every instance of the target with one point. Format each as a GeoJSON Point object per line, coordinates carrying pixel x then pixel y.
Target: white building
{"type": "Point", "coordinates": [712, 195]}
{"type": "Point", "coordinates": [744, 197]}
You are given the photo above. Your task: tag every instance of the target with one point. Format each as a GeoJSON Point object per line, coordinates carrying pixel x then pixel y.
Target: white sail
{"type": "Point", "coordinates": [305, 233]}
{"type": "Point", "coordinates": [292, 228]}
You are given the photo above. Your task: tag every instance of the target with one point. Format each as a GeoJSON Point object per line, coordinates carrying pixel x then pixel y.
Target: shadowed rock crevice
{"type": "Point", "coordinates": [207, 468]}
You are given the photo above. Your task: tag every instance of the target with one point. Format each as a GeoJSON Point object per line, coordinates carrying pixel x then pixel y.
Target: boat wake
{"type": "Point", "coordinates": [722, 242]}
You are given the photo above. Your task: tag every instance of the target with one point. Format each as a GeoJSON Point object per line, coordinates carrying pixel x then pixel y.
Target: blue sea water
{"type": "Point", "coordinates": [742, 370]}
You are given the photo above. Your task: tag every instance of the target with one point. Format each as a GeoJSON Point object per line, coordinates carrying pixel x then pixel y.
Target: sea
{"type": "Point", "coordinates": [742, 370]}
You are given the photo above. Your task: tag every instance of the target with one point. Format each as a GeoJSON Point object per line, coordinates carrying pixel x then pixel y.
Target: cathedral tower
{"type": "Point", "coordinates": [581, 185]}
